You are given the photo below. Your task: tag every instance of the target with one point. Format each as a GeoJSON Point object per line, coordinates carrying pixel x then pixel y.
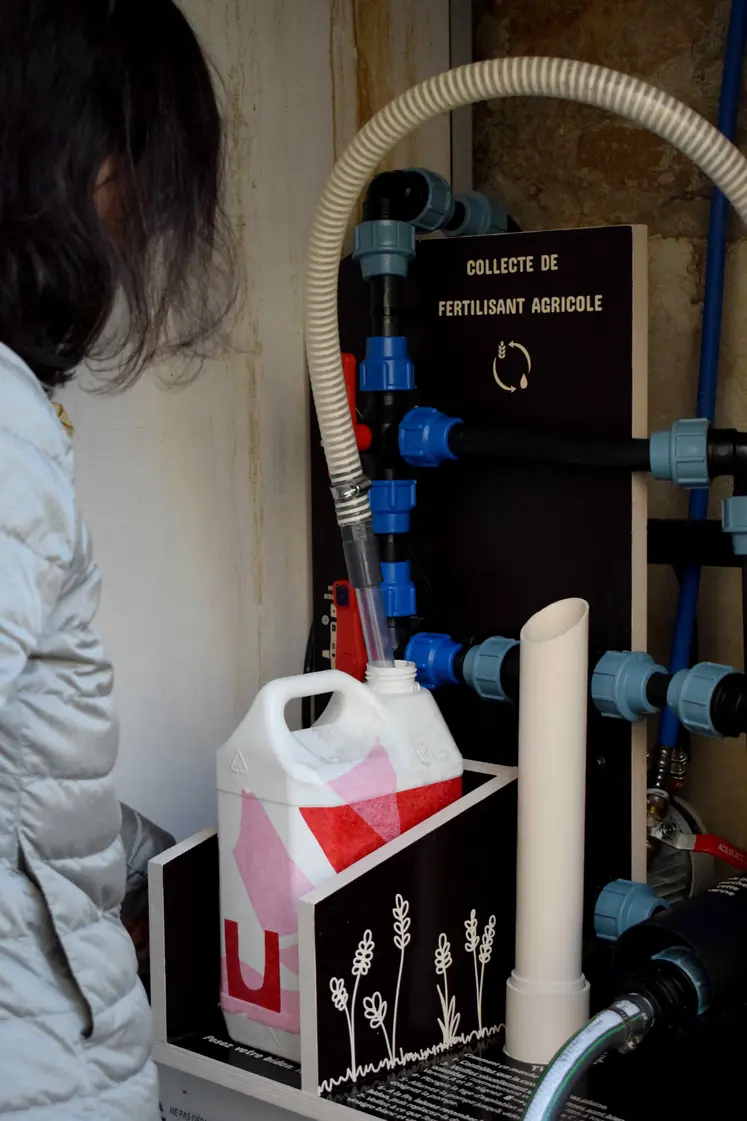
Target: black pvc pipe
{"type": "Point", "coordinates": [385, 303]}
{"type": "Point", "coordinates": [656, 689]}
{"type": "Point", "coordinates": [744, 611]}
{"type": "Point", "coordinates": [740, 488]}
{"type": "Point", "coordinates": [729, 705]}
{"type": "Point", "coordinates": [511, 445]}
{"type": "Point", "coordinates": [727, 452]}
{"type": "Point", "coordinates": [679, 542]}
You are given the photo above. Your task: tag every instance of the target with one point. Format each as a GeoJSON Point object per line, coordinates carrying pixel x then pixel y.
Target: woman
{"type": "Point", "coordinates": [110, 230]}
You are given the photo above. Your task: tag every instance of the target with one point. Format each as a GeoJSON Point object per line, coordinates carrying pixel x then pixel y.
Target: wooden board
{"type": "Point", "coordinates": [493, 544]}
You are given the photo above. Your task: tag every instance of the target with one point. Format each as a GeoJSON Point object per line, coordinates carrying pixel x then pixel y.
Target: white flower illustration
{"type": "Point", "coordinates": [362, 961]}
{"type": "Point", "coordinates": [375, 1009]}
{"type": "Point", "coordinates": [473, 938]}
{"type": "Point", "coordinates": [486, 952]}
{"type": "Point", "coordinates": [443, 957]}
{"type": "Point", "coordinates": [401, 923]}
{"type": "Point", "coordinates": [402, 939]}
{"type": "Point", "coordinates": [486, 944]}
{"type": "Point", "coordinates": [363, 955]}
{"type": "Point", "coordinates": [471, 946]}
{"type": "Point", "coordinates": [339, 993]}
{"type": "Point", "coordinates": [450, 1023]}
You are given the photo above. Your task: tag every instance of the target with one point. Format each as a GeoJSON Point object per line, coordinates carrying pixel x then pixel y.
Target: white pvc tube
{"type": "Point", "coordinates": [547, 995]}
{"type": "Point", "coordinates": [500, 77]}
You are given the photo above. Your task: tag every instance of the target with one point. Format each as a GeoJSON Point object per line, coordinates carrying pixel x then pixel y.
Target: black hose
{"type": "Point", "coordinates": [744, 612]}
{"type": "Point", "coordinates": [740, 488]}
{"type": "Point", "coordinates": [512, 445]}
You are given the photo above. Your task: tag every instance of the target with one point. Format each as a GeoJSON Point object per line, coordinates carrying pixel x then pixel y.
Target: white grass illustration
{"type": "Point", "coordinates": [443, 961]}
{"type": "Point", "coordinates": [402, 937]}
{"type": "Point", "coordinates": [340, 1000]}
{"type": "Point", "coordinates": [471, 945]}
{"type": "Point", "coordinates": [406, 1057]}
{"type": "Point", "coordinates": [485, 954]}
{"type": "Point", "coordinates": [362, 960]}
{"type": "Point", "coordinates": [375, 1009]}
{"type": "Point", "coordinates": [361, 966]}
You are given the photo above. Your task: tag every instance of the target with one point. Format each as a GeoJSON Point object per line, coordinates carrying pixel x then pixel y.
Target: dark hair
{"type": "Point", "coordinates": [86, 84]}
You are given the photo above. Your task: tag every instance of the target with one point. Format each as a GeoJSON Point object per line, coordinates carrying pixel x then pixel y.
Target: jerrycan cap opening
{"type": "Point", "coordinates": [399, 678]}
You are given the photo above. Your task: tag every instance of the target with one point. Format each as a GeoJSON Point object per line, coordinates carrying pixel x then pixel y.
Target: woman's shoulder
{"type": "Point", "coordinates": [27, 414]}
{"type": "Point", "coordinates": [37, 491]}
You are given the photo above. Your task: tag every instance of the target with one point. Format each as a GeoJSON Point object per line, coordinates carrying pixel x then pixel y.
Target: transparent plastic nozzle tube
{"type": "Point", "coordinates": [375, 628]}
{"type": "Point", "coordinates": [361, 551]}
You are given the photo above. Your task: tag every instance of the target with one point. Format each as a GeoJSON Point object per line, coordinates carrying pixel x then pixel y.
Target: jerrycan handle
{"type": "Point", "coordinates": [278, 693]}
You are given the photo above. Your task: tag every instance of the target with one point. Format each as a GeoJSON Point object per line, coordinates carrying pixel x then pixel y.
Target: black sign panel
{"type": "Point", "coordinates": [534, 331]}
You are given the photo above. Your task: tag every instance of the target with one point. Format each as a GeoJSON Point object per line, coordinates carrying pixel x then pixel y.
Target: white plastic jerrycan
{"type": "Point", "coordinates": [296, 808]}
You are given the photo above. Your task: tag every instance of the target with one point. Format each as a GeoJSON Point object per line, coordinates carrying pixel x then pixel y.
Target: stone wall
{"type": "Point", "coordinates": [558, 164]}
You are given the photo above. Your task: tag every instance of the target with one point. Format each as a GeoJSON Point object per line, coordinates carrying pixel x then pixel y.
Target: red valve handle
{"type": "Point", "coordinates": [363, 434]}
{"type": "Point", "coordinates": [721, 849]}
{"type": "Point", "coordinates": [350, 649]}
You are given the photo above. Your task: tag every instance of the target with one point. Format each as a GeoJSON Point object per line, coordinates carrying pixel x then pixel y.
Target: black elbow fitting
{"type": "Point", "coordinates": [727, 452]}
{"type": "Point", "coordinates": [729, 705]}
{"type": "Point", "coordinates": [510, 672]}
{"type": "Point", "coordinates": [401, 196]}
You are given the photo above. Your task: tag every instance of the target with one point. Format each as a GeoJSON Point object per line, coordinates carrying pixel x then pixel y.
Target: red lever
{"type": "Point", "coordinates": [721, 849]}
{"type": "Point", "coordinates": [350, 649]}
{"type": "Point", "coordinates": [363, 434]}
{"type": "Point", "coordinates": [707, 843]}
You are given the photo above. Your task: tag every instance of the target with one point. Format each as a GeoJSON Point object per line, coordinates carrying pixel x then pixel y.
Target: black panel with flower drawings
{"type": "Point", "coordinates": [412, 957]}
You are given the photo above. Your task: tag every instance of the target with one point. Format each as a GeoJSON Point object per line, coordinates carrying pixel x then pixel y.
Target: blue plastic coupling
{"type": "Point", "coordinates": [439, 205]}
{"type": "Point", "coordinates": [434, 655]}
{"type": "Point", "coordinates": [690, 694]}
{"type": "Point", "coordinates": [734, 521]}
{"type": "Point", "coordinates": [622, 904]}
{"type": "Point", "coordinates": [483, 665]}
{"type": "Point", "coordinates": [680, 454]}
{"type": "Point", "coordinates": [619, 682]}
{"type": "Point", "coordinates": [392, 500]}
{"type": "Point", "coordinates": [481, 215]}
{"type": "Point", "coordinates": [398, 589]}
{"type": "Point", "coordinates": [387, 367]}
{"type": "Point", "coordinates": [685, 959]}
{"type": "Point", "coordinates": [384, 247]}
{"type": "Point", "coordinates": [424, 437]}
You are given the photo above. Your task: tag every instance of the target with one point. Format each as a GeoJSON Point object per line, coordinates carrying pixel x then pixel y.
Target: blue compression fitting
{"type": "Point", "coordinates": [687, 605]}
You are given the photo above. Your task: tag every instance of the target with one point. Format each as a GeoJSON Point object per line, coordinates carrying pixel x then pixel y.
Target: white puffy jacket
{"type": "Point", "coordinates": [74, 1021]}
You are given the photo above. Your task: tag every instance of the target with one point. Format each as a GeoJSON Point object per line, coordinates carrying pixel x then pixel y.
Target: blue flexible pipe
{"type": "Point", "coordinates": [731, 85]}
